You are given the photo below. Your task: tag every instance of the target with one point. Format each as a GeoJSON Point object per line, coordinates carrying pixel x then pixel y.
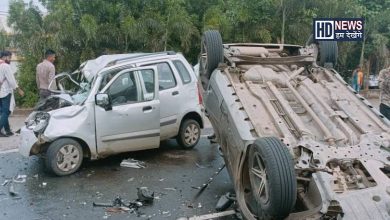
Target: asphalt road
{"type": "Point", "coordinates": [170, 172]}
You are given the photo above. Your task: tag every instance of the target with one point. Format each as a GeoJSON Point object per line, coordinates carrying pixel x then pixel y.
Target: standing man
{"type": "Point", "coordinates": [384, 85]}
{"type": "Point", "coordinates": [45, 74]}
{"type": "Point", "coordinates": [8, 85]}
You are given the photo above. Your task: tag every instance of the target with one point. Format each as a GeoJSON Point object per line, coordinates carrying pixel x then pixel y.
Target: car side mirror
{"type": "Point", "coordinates": [103, 100]}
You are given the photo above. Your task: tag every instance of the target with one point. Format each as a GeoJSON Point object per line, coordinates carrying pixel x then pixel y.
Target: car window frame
{"type": "Point", "coordinates": [137, 83]}
{"type": "Point", "coordinates": [172, 68]}
{"type": "Point", "coordinates": [179, 72]}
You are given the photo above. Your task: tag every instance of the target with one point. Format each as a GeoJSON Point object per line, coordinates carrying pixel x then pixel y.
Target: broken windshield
{"type": "Point", "coordinates": [73, 84]}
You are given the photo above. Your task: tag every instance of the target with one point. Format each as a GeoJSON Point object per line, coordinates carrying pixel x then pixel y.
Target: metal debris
{"type": "Point", "coordinates": [132, 163]}
{"type": "Point", "coordinates": [209, 181]}
{"type": "Point", "coordinates": [118, 205]}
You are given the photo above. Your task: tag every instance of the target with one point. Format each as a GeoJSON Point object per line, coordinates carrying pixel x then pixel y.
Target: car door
{"type": "Point", "coordinates": [133, 122]}
{"type": "Point", "coordinates": [169, 95]}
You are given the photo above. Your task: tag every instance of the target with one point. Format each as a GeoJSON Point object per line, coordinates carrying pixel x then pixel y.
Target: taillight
{"type": "Point", "coordinates": [200, 98]}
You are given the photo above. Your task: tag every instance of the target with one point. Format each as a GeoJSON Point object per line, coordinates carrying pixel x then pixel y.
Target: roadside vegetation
{"type": "Point", "coordinates": [79, 30]}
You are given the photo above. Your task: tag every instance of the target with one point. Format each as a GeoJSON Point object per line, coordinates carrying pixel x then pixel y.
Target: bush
{"type": "Point", "coordinates": [27, 82]}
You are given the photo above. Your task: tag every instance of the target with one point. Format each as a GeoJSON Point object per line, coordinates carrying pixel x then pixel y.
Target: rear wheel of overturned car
{"type": "Point", "coordinates": [211, 54]}
{"type": "Point", "coordinates": [270, 184]}
{"type": "Point", "coordinates": [189, 134]}
{"type": "Point", "coordinates": [328, 53]}
{"type": "Point", "coordinates": [64, 156]}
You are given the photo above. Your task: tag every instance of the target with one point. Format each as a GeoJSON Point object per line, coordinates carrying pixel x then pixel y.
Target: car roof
{"type": "Point", "coordinates": [93, 67]}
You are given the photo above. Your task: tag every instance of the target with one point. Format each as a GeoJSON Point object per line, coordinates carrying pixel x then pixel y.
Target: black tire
{"type": "Point", "coordinates": [211, 54]}
{"type": "Point", "coordinates": [328, 53]}
{"type": "Point", "coordinates": [189, 134]}
{"type": "Point", "coordinates": [277, 199]}
{"type": "Point", "coordinates": [55, 158]}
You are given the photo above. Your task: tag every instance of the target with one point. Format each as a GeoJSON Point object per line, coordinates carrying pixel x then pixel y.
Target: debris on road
{"type": "Point", "coordinates": [132, 163]}
{"type": "Point", "coordinates": [209, 181]}
{"type": "Point", "coordinates": [5, 182]}
{"type": "Point", "coordinates": [170, 189]}
{"type": "Point", "coordinates": [118, 209]}
{"type": "Point", "coordinates": [144, 195]}
{"type": "Point", "coordinates": [203, 166]}
{"type": "Point", "coordinates": [19, 179]}
{"type": "Point", "coordinates": [199, 166]}
{"type": "Point", "coordinates": [11, 190]}
{"type": "Point", "coordinates": [210, 216]}
{"type": "Point", "coordinates": [224, 202]}
{"type": "Point", "coordinates": [97, 204]}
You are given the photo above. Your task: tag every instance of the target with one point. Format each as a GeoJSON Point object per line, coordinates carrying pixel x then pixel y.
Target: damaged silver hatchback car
{"type": "Point", "coordinates": [298, 142]}
{"type": "Point", "coordinates": [114, 104]}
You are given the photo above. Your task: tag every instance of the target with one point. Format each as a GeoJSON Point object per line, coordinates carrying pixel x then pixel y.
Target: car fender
{"type": "Point", "coordinates": [75, 122]}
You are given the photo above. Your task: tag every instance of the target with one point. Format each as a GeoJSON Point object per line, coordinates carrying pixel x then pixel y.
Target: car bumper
{"type": "Point", "coordinates": [27, 141]}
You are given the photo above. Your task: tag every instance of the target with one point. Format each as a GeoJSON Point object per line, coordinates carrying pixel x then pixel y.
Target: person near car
{"type": "Point", "coordinates": [357, 79]}
{"type": "Point", "coordinates": [45, 74]}
{"type": "Point", "coordinates": [382, 74]}
{"type": "Point", "coordinates": [384, 85]}
{"type": "Point", "coordinates": [8, 85]}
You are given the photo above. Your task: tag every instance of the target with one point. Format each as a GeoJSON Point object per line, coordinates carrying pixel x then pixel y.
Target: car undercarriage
{"type": "Point", "coordinates": [299, 143]}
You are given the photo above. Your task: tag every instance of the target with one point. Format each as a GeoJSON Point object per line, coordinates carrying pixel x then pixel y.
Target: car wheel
{"type": "Point", "coordinates": [211, 54]}
{"type": "Point", "coordinates": [189, 134]}
{"type": "Point", "coordinates": [64, 156]}
{"type": "Point", "coordinates": [328, 52]}
{"type": "Point", "coordinates": [272, 180]}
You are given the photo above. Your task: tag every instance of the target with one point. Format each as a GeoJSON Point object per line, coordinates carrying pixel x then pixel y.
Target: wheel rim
{"type": "Point", "coordinates": [68, 157]}
{"type": "Point", "coordinates": [258, 179]}
{"type": "Point", "coordinates": [203, 58]}
{"type": "Point", "coordinates": [191, 134]}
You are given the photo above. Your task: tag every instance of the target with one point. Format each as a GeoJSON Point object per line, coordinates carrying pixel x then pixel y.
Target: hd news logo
{"type": "Point", "coordinates": [338, 29]}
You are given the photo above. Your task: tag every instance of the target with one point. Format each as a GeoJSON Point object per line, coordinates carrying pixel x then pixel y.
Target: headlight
{"type": "Point", "coordinates": [38, 121]}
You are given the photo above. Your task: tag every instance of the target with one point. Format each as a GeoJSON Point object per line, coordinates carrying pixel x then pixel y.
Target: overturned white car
{"type": "Point", "coordinates": [298, 142]}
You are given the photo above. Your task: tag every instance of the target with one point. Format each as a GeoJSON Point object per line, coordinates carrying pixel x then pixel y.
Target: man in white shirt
{"type": "Point", "coordinates": [8, 85]}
